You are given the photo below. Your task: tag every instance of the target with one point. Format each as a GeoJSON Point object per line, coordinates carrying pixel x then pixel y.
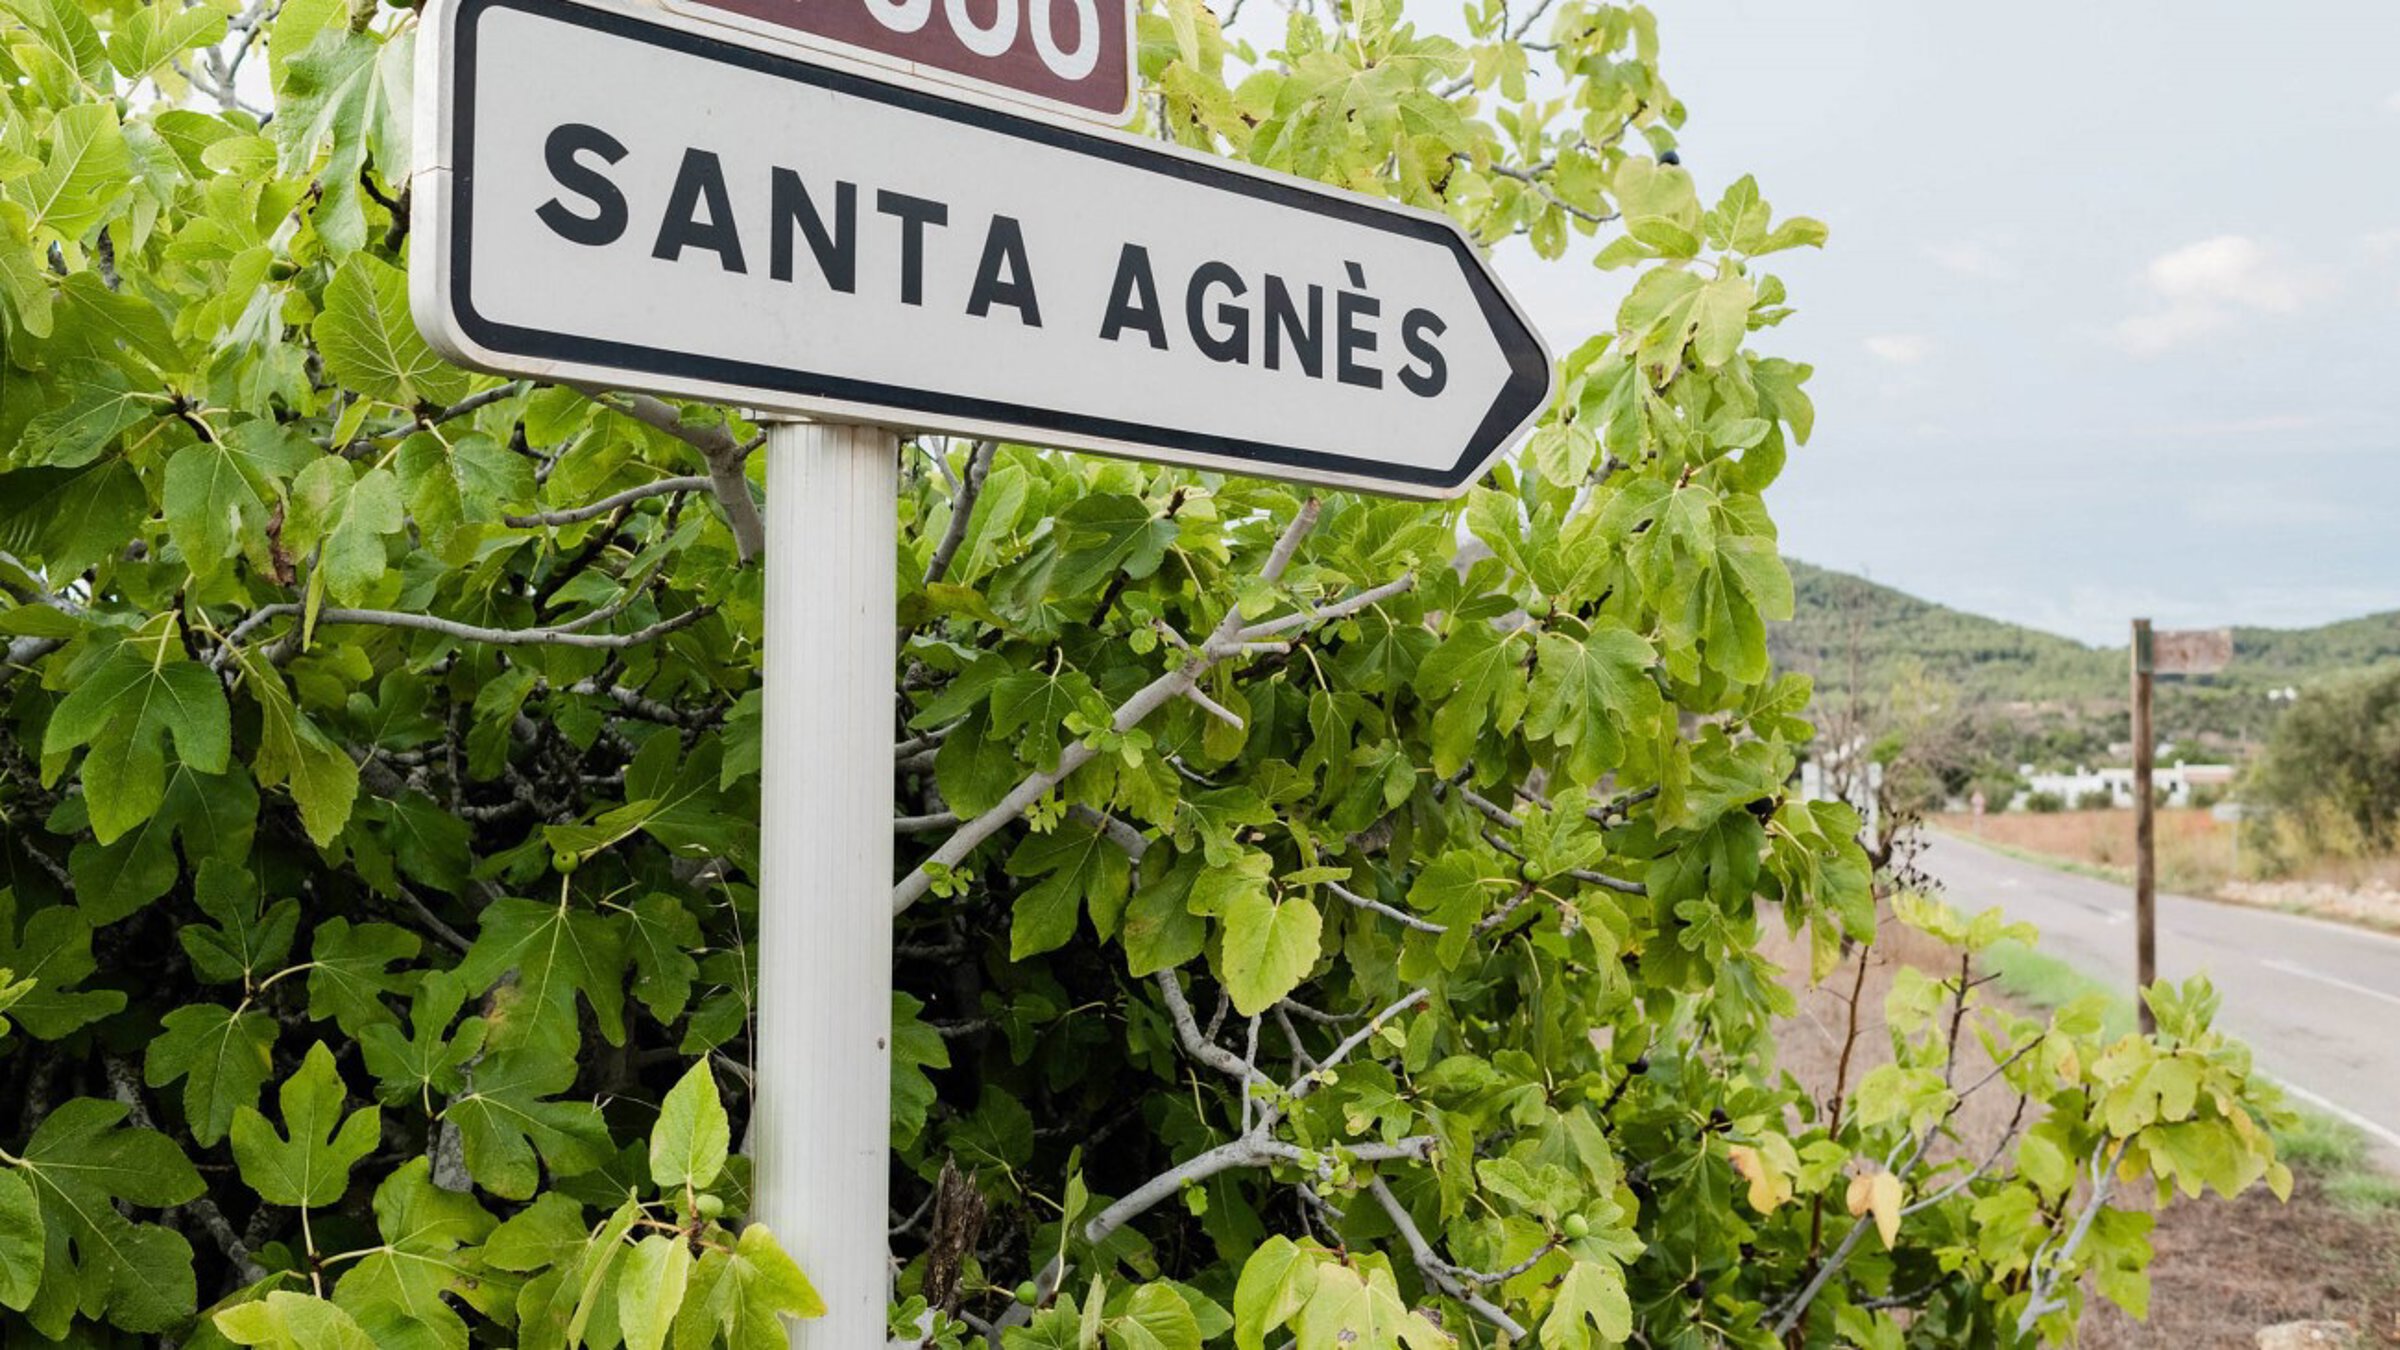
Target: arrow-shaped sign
{"type": "Point", "coordinates": [619, 196]}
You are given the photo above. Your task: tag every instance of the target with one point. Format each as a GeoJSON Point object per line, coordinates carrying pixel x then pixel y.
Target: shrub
{"type": "Point", "coordinates": [2328, 783]}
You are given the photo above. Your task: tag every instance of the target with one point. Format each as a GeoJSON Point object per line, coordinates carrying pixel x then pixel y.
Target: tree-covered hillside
{"type": "Point", "coordinates": [1847, 628]}
{"type": "Point", "coordinates": [2041, 697]}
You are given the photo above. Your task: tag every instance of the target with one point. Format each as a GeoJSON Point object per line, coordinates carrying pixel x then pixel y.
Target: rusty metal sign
{"type": "Point", "coordinates": [2190, 651]}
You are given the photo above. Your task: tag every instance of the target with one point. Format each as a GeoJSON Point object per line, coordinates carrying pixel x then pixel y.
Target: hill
{"type": "Point", "coordinates": [2041, 697]}
{"type": "Point", "coordinates": [1845, 627]}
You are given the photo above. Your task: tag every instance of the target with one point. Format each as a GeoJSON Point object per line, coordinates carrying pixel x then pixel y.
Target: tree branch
{"type": "Point", "coordinates": [1198, 1045]}
{"type": "Point", "coordinates": [1796, 1307]}
{"type": "Point", "coordinates": [567, 634]}
{"type": "Point", "coordinates": [1310, 618]}
{"type": "Point", "coordinates": [962, 509]}
{"type": "Point", "coordinates": [1501, 816]}
{"type": "Point", "coordinates": [2045, 1298]}
{"type": "Point", "coordinates": [1124, 836]}
{"type": "Point", "coordinates": [450, 937]}
{"type": "Point", "coordinates": [1437, 1272]}
{"type": "Point", "coordinates": [477, 402]}
{"type": "Point", "coordinates": [607, 504]}
{"type": "Point", "coordinates": [1225, 642]}
{"type": "Point", "coordinates": [723, 454]}
{"type": "Point", "coordinates": [1255, 1149]}
{"type": "Point", "coordinates": [637, 704]}
{"type": "Point", "coordinates": [1374, 906]}
{"type": "Point", "coordinates": [1355, 1039]}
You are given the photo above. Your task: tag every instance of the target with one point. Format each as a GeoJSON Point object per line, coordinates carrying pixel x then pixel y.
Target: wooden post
{"type": "Point", "coordinates": [2145, 829]}
{"type": "Point", "coordinates": [821, 1136]}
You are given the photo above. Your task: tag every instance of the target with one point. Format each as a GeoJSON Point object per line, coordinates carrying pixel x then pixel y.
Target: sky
{"type": "Point", "coordinates": [2109, 322]}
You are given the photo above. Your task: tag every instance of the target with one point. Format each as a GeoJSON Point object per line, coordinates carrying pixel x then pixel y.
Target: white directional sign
{"type": "Point", "coordinates": [612, 194]}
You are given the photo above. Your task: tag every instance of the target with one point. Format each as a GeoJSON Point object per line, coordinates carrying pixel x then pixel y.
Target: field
{"type": "Point", "coordinates": [2197, 855]}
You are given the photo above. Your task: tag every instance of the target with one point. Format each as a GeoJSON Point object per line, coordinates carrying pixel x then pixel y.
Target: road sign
{"type": "Point", "coordinates": [1074, 56]}
{"type": "Point", "coordinates": [616, 195]}
{"type": "Point", "coordinates": [2190, 651]}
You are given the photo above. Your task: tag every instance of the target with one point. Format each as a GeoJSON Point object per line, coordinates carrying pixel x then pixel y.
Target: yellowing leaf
{"type": "Point", "coordinates": [1878, 1193]}
{"type": "Point", "coordinates": [1769, 1187]}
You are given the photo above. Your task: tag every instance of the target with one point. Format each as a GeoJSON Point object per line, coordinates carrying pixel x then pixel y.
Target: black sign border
{"type": "Point", "coordinates": [1521, 395]}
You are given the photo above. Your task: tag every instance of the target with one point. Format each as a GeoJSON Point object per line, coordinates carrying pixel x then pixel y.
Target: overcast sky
{"type": "Point", "coordinates": [2107, 324]}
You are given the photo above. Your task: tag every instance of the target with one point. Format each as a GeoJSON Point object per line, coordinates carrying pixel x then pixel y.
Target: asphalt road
{"type": "Point", "coordinates": [2318, 1002]}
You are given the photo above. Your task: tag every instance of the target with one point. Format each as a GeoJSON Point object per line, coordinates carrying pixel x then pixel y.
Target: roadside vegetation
{"type": "Point", "coordinates": [2326, 790]}
{"type": "Point", "coordinates": [2226, 1267]}
{"type": "Point", "coordinates": [2223, 1268]}
{"type": "Point", "coordinates": [2334, 1152]}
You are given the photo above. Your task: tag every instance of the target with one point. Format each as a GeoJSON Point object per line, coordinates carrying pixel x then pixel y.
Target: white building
{"type": "Point", "coordinates": [2177, 780]}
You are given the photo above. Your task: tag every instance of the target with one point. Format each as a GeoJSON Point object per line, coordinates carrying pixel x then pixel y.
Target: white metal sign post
{"type": "Point", "coordinates": [613, 194]}
{"type": "Point", "coordinates": [820, 1134]}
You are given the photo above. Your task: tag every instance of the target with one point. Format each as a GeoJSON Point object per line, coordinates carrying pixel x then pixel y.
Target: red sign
{"type": "Point", "coordinates": [1075, 56]}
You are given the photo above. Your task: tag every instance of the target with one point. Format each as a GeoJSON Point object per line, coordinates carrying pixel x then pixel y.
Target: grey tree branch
{"type": "Point", "coordinates": [1619, 807]}
{"type": "Point", "coordinates": [1437, 1272]}
{"type": "Point", "coordinates": [1124, 836]}
{"type": "Point", "coordinates": [450, 937]}
{"type": "Point", "coordinates": [2047, 1274]}
{"type": "Point", "coordinates": [916, 745]}
{"type": "Point", "coordinates": [1196, 1044]}
{"type": "Point", "coordinates": [634, 702]}
{"type": "Point", "coordinates": [1359, 1037]}
{"type": "Point", "coordinates": [1310, 618]}
{"type": "Point", "coordinates": [1213, 708]}
{"type": "Point", "coordinates": [1991, 1160]}
{"type": "Point", "coordinates": [568, 634]}
{"type": "Point", "coordinates": [1606, 882]}
{"type": "Point", "coordinates": [718, 449]}
{"type": "Point", "coordinates": [1531, 180]}
{"type": "Point", "coordinates": [962, 510]}
{"type": "Point", "coordinates": [1797, 1306]}
{"type": "Point", "coordinates": [1501, 816]}
{"type": "Point", "coordinates": [1374, 906]}
{"type": "Point", "coordinates": [1255, 1149]}
{"type": "Point", "coordinates": [610, 503]}
{"type": "Point", "coordinates": [22, 653]}
{"type": "Point", "coordinates": [1226, 641]}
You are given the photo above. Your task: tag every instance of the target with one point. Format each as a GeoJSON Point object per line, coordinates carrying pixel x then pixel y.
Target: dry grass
{"type": "Point", "coordinates": [2196, 852]}
{"type": "Point", "coordinates": [2197, 855]}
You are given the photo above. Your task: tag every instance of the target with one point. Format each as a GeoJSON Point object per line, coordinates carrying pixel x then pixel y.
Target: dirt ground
{"type": "Point", "coordinates": [2228, 1267]}
{"type": "Point", "coordinates": [2373, 901]}
{"type": "Point", "coordinates": [2223, 1269]}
